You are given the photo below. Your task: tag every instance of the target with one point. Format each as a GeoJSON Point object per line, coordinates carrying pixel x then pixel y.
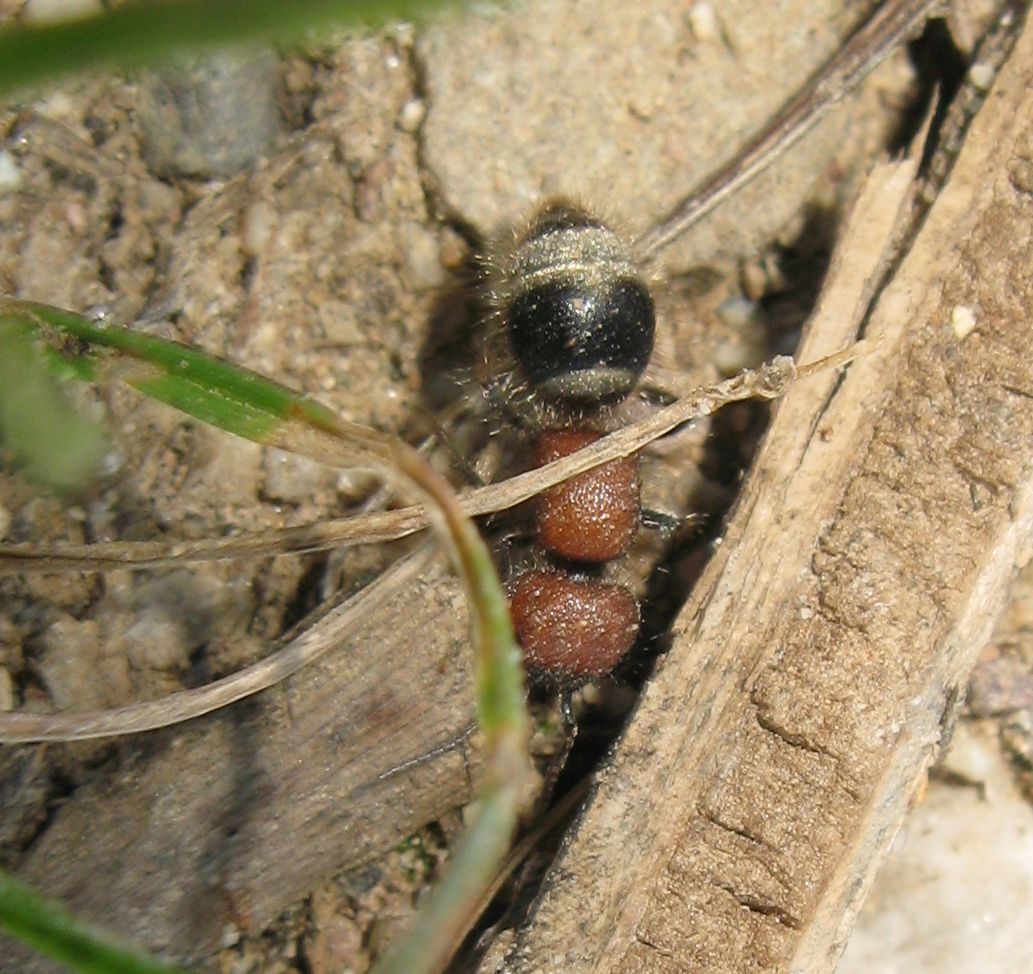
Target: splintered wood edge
{"type": "Point", "coordinates": [777, 750]}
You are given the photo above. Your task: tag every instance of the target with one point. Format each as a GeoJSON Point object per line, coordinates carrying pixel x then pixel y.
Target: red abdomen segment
{"type": "Point", "coordinates": [594, 516]}
{"type": "Point", "coordinates": [572, 629]}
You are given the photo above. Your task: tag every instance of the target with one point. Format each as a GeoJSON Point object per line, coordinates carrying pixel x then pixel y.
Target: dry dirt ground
{"type": "Point", "coordinates": [332, 260]}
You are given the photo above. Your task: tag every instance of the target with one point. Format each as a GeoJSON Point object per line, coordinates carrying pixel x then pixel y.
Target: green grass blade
{"type": "Point", "coordinates": [502, 713]}
{"type": "Point", "coordinates": [141, 33]}
{"type": "Point", "coordinates": [230, 397]}
{"type": "Point", "coordinates": [46, 926]}
{"type": "Point", "coordinates": [472, 865]}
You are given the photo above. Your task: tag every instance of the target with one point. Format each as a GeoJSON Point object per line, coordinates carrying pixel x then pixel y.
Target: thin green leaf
{"type": "Point", "coordinates": [46, 925]}
{"type": "Point", "coordinates": [474, 861]}
{"type": "Point", "coordinates": [141, 33]}
{"type": "Point", "coordinates": [504, 721]}
{"type": "Point", "coordinates": [205, 387]}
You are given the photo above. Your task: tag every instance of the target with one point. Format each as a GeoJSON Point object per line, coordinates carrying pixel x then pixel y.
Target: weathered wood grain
{"type": "Point", "coordinates": [227, 818]}
{"type": "Point", "coordinates": [777, 750]}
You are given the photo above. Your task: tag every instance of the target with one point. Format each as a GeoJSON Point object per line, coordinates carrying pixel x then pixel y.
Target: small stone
{"type": "Point", "coordinates": [210, 117]}
{"type": "Point", "coordinates": [422, 257]}
{"type": "Point", "coordinates": [963, 321]}
{"type": "Point", "coordinates": [230, 936]}
{"type": "Point", "coordinates": [67, 665]}
{"type": "Point", "coordinates": [411, 116]}
{"type": "Point", "coordinates": [10, 174]}
{"type": "Point", "coordinates": [293, 479]}
{"type": "Point", "coordinates": [257, 223]}
{"type": "Point", "coordinates": [754, 280]}
{"type": "Point", "coordinates": [981, 75]}
{"type": "Point", "coordinates": [703, 22]}
{"type": "Point", "coordinates": [158, 640]}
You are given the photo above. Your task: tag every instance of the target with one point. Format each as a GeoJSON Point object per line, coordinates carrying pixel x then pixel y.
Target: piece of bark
{"type": "Point", "coordinates": [782, 740]}
{"type": "Point", "coordinates": [225, 819]}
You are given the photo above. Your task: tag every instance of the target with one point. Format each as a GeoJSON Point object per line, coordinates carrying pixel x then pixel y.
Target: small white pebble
{"type": "Point", "coordinates": [422, 257]}
{"type": "Point", "coordinates": [75, 214]}
{"type": "Point", "coordinates": [754, 280]}
{"type": "Point", "coordinates": [590, 696]}
{"type": "Point", "coordinates": [981, 75]}
{"type": "Point", "coordinates": [806, 612]}
{"type": "Point", "coordinates": [738, 312]}
{"type": "Point", "coordinates": [10, 174]}
{"type": "Point", "coordinates": [57, 106]}
{"type": "Point", "coordinates": [703, 22]}
{"type": "Point", "coordinates": [411, 116]}
{"type": "Point", "coordinates": [963, 321]}
{"type": "Point", "coordinates": [734, 354]}
{"type": "Point", "coordinates": [230, 936]}
{"type": "Point", "coordinates": [257, 222]}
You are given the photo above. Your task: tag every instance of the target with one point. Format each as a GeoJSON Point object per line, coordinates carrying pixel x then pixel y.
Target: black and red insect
{"type": "Point", "coordinates": [580, 324]}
